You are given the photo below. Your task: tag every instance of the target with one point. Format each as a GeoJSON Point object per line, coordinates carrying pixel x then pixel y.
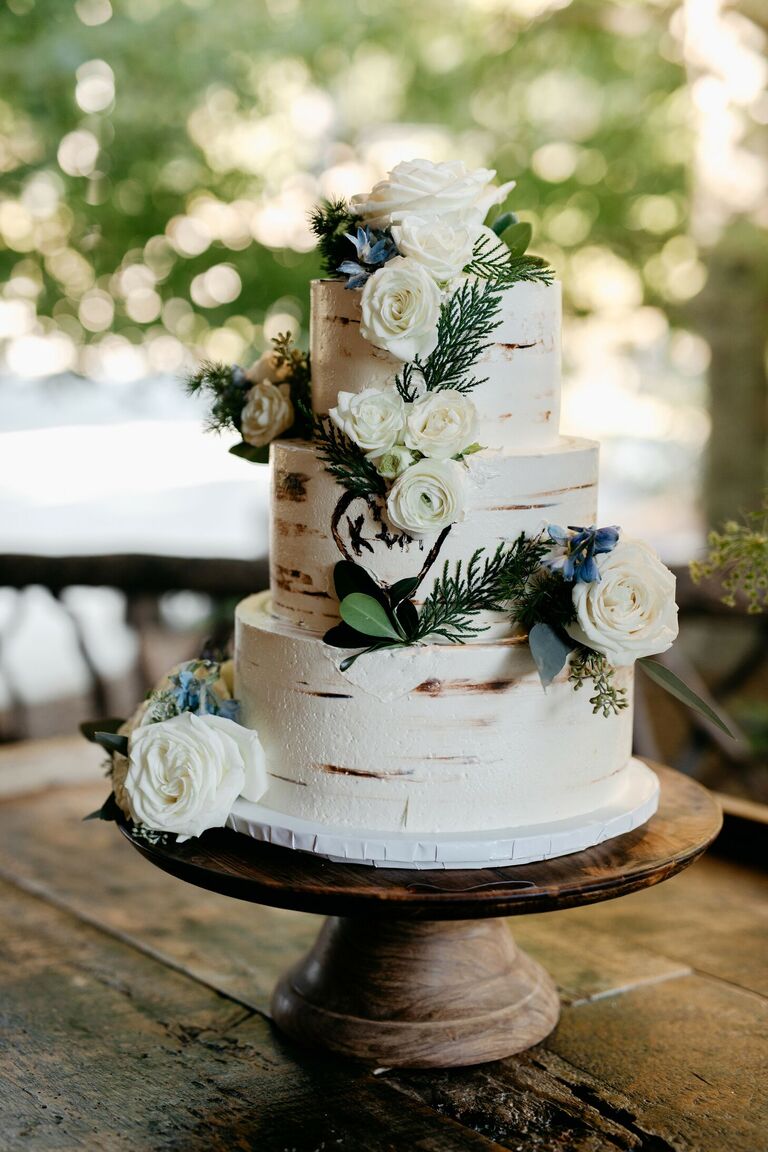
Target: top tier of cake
{"type": "Point", "coordinates": [518, 403]}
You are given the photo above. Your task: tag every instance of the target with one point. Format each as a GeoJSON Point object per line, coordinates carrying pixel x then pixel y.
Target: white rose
{"type": "Point", "coordinates": [440, 424]}
{"type": "Point", "coordinates": [420, 187]}
{"type": "Point", "coordinates": [184, 774]}
{"type": "Point", "coordinates": [400, 307]}
{"type": "Point", "coordinates": [393, 462]}
{"type": "Point", "coordinates": [427, 497]}
{"type": "Point", "coordinates": [440, 246]}
{"type": "Point", "coordinates": [268, 412]}
{"type": "Point", "coordinates": [372, 419]}
{"type": "Point", "coordinates": [630, 611]}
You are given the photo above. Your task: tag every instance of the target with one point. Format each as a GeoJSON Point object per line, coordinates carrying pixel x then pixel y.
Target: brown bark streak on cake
{"type": "Point", "coordinates": [289, 528]}
{"type": "Point", "coordinates": [287, 579]}
{"type": "Point", "coordinates": [516, 507]}
{"type": "Point", "coordinates": [435, 687]}
{"type": "Point", "coordinates": [338, 770]}
{"type": "Point", "coordinates": [291, 485]}
{"type": "Point", "coordinates": [344, 320]}
{"type": "Point", "coordinates": [515, 347]}
{"type": "Point", "coordinates": [565, 491]}
{"type": "Point", "coordinates": [288, 780]}
{"type": "Point", "coordinates": [329, 695]}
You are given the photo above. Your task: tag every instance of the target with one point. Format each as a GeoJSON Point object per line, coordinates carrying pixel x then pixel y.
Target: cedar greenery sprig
{"type": "Point", "coordinates": [460, 594]}
{"type": "Point", "coordinates": [345, 461]}
{"type": "Point", "coordinates": [516, 267]}
{"type": "Point", "coordinates": [330, 221]}
{"type": "Point", "coordinates": [466, 320]}
{"type": "Point", "coordinates": [587, 664]}
{"type": "Point", "coordinates": [225, 390]}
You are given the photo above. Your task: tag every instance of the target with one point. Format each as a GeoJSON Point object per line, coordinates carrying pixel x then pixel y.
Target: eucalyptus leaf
{"type": "Point", "coordinates": [501, 223]}
{"type": "Point", "coordinates": [517, 238]}
{"type": "Point", "coordinates": [368, 616]}
{"type": "Point", "coordinates": [89, 728]}
{"type": "Point", "coordinates": [111, 742]}
{"type": "Point", "coordinates": [666, 679]}
{"type": "Point", "coordinates": [349, 577]}
{"type": "Point", "coordinates": [549, 652]}
{"type": "Point", "coordinates": [402, 590]}
{"type": "Point", "coordinates": [250, 452]}
{"type": "Point", "coordinates": [108, 811]}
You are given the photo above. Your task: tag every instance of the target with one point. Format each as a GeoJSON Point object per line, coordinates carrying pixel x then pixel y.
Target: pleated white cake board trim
{"type": "Point", "coordinates": [498, 848]}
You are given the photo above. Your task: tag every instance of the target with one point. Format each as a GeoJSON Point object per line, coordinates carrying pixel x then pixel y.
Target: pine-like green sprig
{"type": "Point", "coordinates": [503, 274]}
{"type": "Point", "coordinates": [586, 665]}
{"type": "Point", "coordinates": [226, 398]}
{"type": "Point", "coordinates": [329, 221]}
{"type": "Point", "coordinates": [345, 461]}
{"type": "Point", "coordinates": [459, 595]}
{"type": "Point", "coordinates": [739, 556]}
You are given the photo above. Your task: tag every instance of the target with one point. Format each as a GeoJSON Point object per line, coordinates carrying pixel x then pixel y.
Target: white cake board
{"type": "Point", "coordinates": [497, 848]}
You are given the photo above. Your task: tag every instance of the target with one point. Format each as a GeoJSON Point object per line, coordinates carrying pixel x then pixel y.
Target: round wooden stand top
{"type": "Point", "coordinates": [687, 821]}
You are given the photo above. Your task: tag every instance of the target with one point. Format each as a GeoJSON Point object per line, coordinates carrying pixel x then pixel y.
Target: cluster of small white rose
{"type": "Point", "coordinates": [417, 448]}
{"type": "Point", "coordinates": [435, 214]}
{"type": "Point", "coordinates": [268, 411]}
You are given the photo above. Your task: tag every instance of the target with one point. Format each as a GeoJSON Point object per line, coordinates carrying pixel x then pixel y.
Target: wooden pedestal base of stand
{"type": "Point", "coordinates": [417, 994]}
{"type": "Point", "coordinates": [420, 969]}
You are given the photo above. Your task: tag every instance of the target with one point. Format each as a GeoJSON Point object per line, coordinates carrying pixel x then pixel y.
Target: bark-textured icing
{"type": "Point", "coordinates": [519, 401]}
{"type": "Point", "coordinates": [423, 739]}
{"type": "Point", "coordinates": [505, 495]}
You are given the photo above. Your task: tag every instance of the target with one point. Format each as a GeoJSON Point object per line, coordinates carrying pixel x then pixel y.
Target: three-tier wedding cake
{"type": "Point", "coordinates": [441, 672]}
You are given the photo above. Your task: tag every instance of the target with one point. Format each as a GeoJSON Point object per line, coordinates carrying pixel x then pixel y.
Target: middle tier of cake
{"type": "Point", "coordinates": [315, 523]}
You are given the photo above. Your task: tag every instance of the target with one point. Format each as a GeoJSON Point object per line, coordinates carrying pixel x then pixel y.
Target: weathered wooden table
{"type": "Point", "coordinates": [134, 1010]}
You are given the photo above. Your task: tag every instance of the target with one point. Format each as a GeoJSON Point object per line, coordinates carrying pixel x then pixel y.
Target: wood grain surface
{"type": "Point", "coordinates": [135, 1012]}
{"type": "Point", "coordinates": [687, 821]}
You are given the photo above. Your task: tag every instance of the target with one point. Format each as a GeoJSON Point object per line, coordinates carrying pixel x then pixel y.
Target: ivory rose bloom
{"type": "Point", "coordinates": [423, 188]}
{"type": "Point", "coordinates": [267, 413]}
{"type": "Point", "coordinates": [269, 367]}
{"type": "Point", "coordinates": [372, 419]}
{"type": "Point", "coordinates": [400, 305]}
{"type": "Point", "coordinates": [442, 247]}
{"type": "Point", "coordinates": [630, 611]}
{"type": "Point", "coordinates": [393, 462]}
{"type": "Point", "coordinates": [441, 424]}
{"type": "Point", "coordinates": [427, 497]}
{"type": "Point", "coordinates": [184, 774]}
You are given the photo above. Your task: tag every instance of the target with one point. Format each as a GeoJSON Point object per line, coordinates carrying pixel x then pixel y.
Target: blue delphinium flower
{"type": "Point", "coordinates": [576, 548]}
{"type": "Point", "coordinates": [191, 692]}
{"type": "Point", "coordinates": [373, 249]}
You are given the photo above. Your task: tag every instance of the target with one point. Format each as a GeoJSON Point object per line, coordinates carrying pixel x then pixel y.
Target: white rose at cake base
{"type": "Point", "coordinates": [441, 424]}
{"type": "Point", "coordinates": [427, 497]}
{"type": "Point", "coordinates": [267, 413]}
{"type": "Point", "coordinates": [400, 306]}
{"type": "Point", "coordinates": [630, 611]}
{"type": "Point", "coordinates": [372, 419]}
{"type": "Point", "coordinates": [184, 774]}
{"type": "Point", "coordinates": [448, 190]}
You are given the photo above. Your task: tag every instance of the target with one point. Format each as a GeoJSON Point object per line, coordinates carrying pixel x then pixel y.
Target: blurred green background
{"type": "Point", "coordinates": [159, 160]}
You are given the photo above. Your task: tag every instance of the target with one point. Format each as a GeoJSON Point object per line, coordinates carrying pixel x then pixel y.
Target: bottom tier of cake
{"type": "Point", "coordinates": [434, 738]}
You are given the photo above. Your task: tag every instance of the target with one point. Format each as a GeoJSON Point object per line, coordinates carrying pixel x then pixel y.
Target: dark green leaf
{"type": "Point", "coordinates": [349, 660]}
{"type": "Point", "coordinates": [249, 452]}
{"type": "Point", "coordinates": [89, 728]}
{"type": "Point", "coordinates": [517, 238]}
{"type": "Point", "coordinates": [342, 636]}
{"type": "Point", "coordinates": [108, 811]}
{"type": "Point", "coordinates": [368, 616]}
{"type": "Point", "coordinates": [503, 222]}
{"type": "Point", "coordinates": [549, 652]}
{"type": "Point", "coordinates": [402, 590]}
{"type": "Point", "coordinates": [662, 676]}
{"type": "Point", "coordinates": [408, 618]}
{"type": "Point", "coordinates": [111, 742]}
{"type": "Point", "coordinates": [349, 577]}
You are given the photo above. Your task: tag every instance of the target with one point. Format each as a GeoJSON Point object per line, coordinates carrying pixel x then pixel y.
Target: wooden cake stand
{"type": "Point", "coordinates": [415, 969]}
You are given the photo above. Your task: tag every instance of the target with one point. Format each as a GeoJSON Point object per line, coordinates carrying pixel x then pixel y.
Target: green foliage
{"type": "Point", "coordinates": [224, 392]}
{"type": "Point", "coordinates": [345, 461]}
{"type": "Point", "coordinates": [588, 665]}
{"type": "Point", "coordinates": [549, 650]}
{"type": "Point", "coordinates": [108, 811]}
{"type": "Point", "coordinates": [457, 596]}
{"type": "Point", "coordinates": [501, 274]}
{"type": "Point", "coordinates": [367, 615]}
{"type": "Point", "coordinates": [671, 683]}
{"type": "Point", "coordinates": [738, 555]}
{"type": "Point", "coordinates": [90, 728]}
{"type": "Point", "coordinates": [330, 221]}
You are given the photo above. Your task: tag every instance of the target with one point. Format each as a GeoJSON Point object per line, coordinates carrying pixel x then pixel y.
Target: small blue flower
{"type": "Point", "coordinates": [239, 378]}
{"type": "Point", "coordinates": [576, 548]}
{"type": "Point", "coordinates": [192, 691]}
{"type": "Point", "coordinates": [372, 249]}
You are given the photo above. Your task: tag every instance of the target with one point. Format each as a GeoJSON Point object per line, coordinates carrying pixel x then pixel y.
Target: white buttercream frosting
{"type": "Point", "coordinates": [428, 738]}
